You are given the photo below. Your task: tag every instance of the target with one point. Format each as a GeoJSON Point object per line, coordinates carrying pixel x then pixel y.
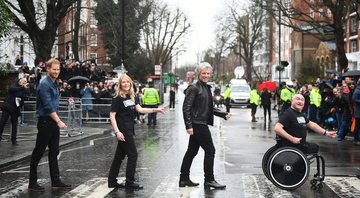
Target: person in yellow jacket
{"type": "Point", "coordinates": [254, 102]}
{"type": "Point", "coordinates": [286, 95]}
{"type": "Point", "coordinates": [151, 99]}
{"type": "Point", "coordinates": [315, 102]}
{"type": "Point", "coordinates": [227, 98]}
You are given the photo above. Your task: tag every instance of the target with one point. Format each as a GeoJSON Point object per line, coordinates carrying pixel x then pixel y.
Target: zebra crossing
{"type": "Point", "coordinates": [251, 186]}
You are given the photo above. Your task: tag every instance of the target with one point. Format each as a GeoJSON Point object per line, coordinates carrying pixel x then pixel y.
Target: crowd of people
{"type": "Point", "coordinates": [333, 103]}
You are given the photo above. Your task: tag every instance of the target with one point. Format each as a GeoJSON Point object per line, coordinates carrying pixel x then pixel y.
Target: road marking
{"type": "Point", "coordinates": [19, 170]}
{"type": "Point", "coordinates": [94, 188]}
{"type": "Point", "coordinates": [169, 187]}
{"type": "Point", "coordinates": [79, 170]}
{"type": "Point", "coordinates": [344, 186]}
{"type": "Point", "coordinates": [260, 186]}
{"type": "Point", "coordinates": [16, 187]}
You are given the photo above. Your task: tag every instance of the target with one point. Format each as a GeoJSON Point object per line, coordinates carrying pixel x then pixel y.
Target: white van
{"type": "Point", "coordinates": [240, 93]}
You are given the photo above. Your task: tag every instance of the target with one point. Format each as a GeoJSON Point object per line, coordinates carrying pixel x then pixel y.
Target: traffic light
{"type": "Point", "coordinates": [284, 63]}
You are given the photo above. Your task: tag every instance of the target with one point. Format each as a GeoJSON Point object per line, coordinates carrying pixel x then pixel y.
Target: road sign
{"type": "Point", "coordinates": [239, 71]}
{"type": "Point", "coordinates": [157, 69]}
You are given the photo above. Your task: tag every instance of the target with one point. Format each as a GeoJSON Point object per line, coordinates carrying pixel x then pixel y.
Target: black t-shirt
{"type": "Point", "coordinates": [294, 123]}
{"type": "Point", "coordinates": [125, 113]}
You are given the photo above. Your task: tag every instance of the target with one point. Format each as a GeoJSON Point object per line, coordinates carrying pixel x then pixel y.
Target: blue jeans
{"type": "Point", "coordinates": [344, 128]}
{"type": "Point", "coordinates": [338, 119]}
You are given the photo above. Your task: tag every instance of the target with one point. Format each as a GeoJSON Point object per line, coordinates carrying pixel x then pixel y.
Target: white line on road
{"type": "Point", "coordinates": [344, 186]}
{"type": "Point", "coordinates": [15, 188]}
{"type": "Point", "coordinates": [94, 188]}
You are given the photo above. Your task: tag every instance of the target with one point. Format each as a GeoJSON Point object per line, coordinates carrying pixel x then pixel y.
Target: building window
{"type": "Point", "coordinates": [353, 46]}
{"type": "Point", "coordinates": [353, 25]}
{"type": "Point", "coordinates": [93, 21]}
{"type": "Point", "coordinates": [93, 56]}
{"type": "Point", "coordinates": [93, 40]}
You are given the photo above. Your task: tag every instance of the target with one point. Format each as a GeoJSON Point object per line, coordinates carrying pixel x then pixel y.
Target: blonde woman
{"type": "Point", "coordinates": [122, 116]}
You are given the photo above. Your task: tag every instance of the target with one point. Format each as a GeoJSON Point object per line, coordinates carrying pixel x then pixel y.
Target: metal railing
{"type": "Point", "coordinates": [73, 111]}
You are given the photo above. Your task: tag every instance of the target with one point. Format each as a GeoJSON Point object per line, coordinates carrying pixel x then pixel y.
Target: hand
{"type": "Point", "coordinates": [61, 125]}
{"type": "Point", "coordinates": [120, 136]}
{"type": "Point", "coordinates": [331, 134]}
{"type": "Point", "coordinates": [295, 140]}
{"type": "Point", "coordinates": [228, 116]}
{"type": "Point", "coordinates": [190, 131]}
{"type": "Point", "coordinates": [160, 110]}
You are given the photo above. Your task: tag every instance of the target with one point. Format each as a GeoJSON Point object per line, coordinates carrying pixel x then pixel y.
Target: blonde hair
{"type": "Point", "coordinates": [121, 92]}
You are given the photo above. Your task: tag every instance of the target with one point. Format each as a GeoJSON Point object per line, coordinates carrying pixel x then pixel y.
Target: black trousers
{"type": "Point", "coordinates": [123, 149]}
{"type": "Point", "coordinates": [227, 105]}
{"type": "Point", "coordinates": [14, 121]}
{"type": "Point", "coordinates": [151, 116]}
{"type": "Point", "coordinates": [201, 137]}
{"type": "Point", "coordinates": [267, 108]}
{"type": "Point", "coordinates": [172, 103]}
{"type": "Point", "coordinates": [48, 136]}
{"type": "Point", "coordinates": [307, 148]}
{"type": "Point", "coordinates": [253, 110]}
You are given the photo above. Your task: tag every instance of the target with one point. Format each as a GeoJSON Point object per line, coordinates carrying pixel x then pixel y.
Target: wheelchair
{"type": "Point", "coordinates": [288, 168]}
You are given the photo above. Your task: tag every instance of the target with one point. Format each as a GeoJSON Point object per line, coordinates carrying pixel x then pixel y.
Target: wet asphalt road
{"type": "Point", "coordinates": [239, 144]}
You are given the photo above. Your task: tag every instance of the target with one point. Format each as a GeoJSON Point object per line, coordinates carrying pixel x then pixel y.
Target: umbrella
{"type": "Point", "coordinates": [78, 79]}
{"type": "Point", "coordinates": [271, 86]}
{"type": "Point", "coordinates": [331, 71]}
{"type": "Point", "coordinates": [351, 73]}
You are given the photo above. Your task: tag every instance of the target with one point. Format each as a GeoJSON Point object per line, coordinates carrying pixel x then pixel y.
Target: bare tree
{"type": "Point", "coordinates": [249, 35]}
{"type": "Point", "coordinates": [334, 14]}
{"type": "Point", "coordinates": [39, 21]}
{"type": "Point", "coordinates": [163, 34]}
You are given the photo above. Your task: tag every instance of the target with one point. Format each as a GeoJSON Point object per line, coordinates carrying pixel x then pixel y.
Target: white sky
{"type": "Point", "coordinates": [201, 15]}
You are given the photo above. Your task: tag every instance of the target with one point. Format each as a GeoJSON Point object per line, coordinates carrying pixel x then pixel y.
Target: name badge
{"type": "Point", "coordinates": [129, 103]}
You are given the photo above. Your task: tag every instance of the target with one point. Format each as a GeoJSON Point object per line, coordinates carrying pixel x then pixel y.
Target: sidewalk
{"type": "Point", "coordinates": [10, 154]}
{"type": "Point", "coordinates": [26, 136]}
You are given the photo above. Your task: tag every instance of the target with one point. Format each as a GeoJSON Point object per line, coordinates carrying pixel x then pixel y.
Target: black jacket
{"type": "Point", "coordinates": [9, 102]}
{"type": "Point", "coordinates": [198, 105]}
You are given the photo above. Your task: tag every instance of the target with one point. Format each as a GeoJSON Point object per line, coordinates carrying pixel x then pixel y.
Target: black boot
{"type": "Point", "coordinates": [183, 183]}
{"type": "Point", "coordinates": [213, 184]}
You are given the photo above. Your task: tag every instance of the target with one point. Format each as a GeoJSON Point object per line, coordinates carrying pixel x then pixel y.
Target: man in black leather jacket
{"type": "Point", "coordinates": [198, 112]}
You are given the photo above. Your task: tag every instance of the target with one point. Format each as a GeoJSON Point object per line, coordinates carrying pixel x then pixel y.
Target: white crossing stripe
{"type": "Point", "coordinates": [258, 186]}
{"type": "Point", "coordinates": [94, 188]}
{"type": "Point", "coordinates": [169, 187]}
{"type": "Point", "coordinates": [344, 186]}
{"type": "Point", "coordinates": [16, 187]}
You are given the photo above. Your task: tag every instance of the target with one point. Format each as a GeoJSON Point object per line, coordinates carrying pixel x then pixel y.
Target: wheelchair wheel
{"type": "Point", "coordinates": [265, 160]}
{"type": "Point", "coordinates": [288, 168]}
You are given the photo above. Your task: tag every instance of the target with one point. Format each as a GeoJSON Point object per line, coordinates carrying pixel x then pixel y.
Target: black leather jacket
{"type": "Point", "coordinates": [198, 105]}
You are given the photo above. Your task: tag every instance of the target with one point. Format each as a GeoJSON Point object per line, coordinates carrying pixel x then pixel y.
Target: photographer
{"type": "Point", "coordinates": [12, 107]}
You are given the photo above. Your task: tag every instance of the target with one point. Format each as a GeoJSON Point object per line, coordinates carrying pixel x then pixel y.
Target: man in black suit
{"type": "Point", "coordinates": [12, 107]}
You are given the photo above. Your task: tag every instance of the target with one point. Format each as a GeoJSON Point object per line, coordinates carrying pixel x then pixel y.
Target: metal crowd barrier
{"type": "Point", "coordinates": [73, 111]}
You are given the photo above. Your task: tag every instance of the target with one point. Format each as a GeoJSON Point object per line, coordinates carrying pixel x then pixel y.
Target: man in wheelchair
{"type": "Point", "coordinates": [291, 128]}
{"type": "Point", "coordinates": [287, 163]}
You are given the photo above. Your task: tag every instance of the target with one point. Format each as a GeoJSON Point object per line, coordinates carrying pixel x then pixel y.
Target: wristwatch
{"type": "Point", "coordinates": [116, 132]}
{"type": "Point", "coordinates": [325, 132]}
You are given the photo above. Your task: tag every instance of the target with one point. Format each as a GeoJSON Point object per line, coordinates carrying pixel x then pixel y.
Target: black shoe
{"type": "Point", "coordinates": [214, 184]}
{"type": "Point", "coordinates": [36, 187]}
{"type": "Point", "coordinates": [134, 186]}
{"type": "Point", "coordinates": [60, 185]}
{"type": "Point", "coordinates": [15, 143]}
{"type": "Point", "coordinates": [115, 185]}
{"type": "Point", "coordinates": [187, 183]}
